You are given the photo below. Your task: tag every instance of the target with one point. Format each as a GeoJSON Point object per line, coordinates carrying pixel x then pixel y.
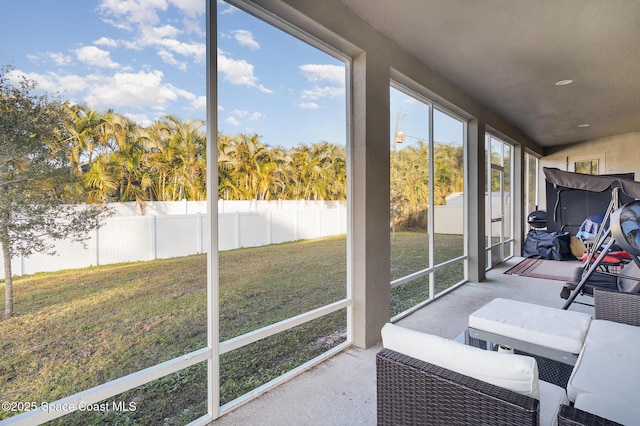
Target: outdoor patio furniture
{"type": "Point", "coordinates": [426, 379]}
{"type": "Point", "coordinates": [540, 330]}
{"type": "Point", "coordinates": [626, 280]}
{"type": "Point", "coordinates": [605, 377]}
{"type": "Point", "coordinates": [573, 196]}
{"type": "Point", "coordinates": [571, 416]}
{"type": "Point", "coordinates": [624, 232]}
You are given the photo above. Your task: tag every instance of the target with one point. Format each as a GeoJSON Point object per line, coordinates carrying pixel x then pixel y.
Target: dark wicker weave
{"type": "Point", "coordinates": [570, 416]}
{"type": "Point", "coordinates": [413, 392]}
{"type": "Point", "coordinates": [617, 306]}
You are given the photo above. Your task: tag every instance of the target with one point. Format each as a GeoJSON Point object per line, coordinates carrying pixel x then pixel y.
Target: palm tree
{"type": "Point", "coordinates": [249, 165]}
{"type": "Point", "coordinates": [410, 185]}
{"type": "Point", "coordinates": [280, 180]}
{"type": "Point", "coordinates": [89, 129]}
{"type": "Point", "coordinates": [122, 161]}
{"type": "Point", "coordinates": [449, 171]}
{"type": "Point", "coordinates": [228, 188]}
{"type": "Point", "coordinates": [192, 166]}
{"type": "Point", "coordinates": [334, 170]}
{"type": "Point", "coordinates": [309, 172]}
{"type": "Point", "coordinates": [178, 157]}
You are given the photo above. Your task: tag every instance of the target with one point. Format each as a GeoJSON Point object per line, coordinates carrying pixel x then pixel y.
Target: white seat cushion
{"type": "Point", "coordinates": [605, 373]}
{"type": "Point", "coordinates": [615, 337]}
{"type": "Point", "coordinates": [551, 397]}
{"type": "Point", "coordinates": [539, 325]}
{"type": "Point", "coordinates": [514, 372]}
{"type": "Point", "coordinates": [608, 408]}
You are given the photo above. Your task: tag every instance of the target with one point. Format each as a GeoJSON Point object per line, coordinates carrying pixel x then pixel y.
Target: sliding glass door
{"type": "Point", "coordinates": [499, 200]}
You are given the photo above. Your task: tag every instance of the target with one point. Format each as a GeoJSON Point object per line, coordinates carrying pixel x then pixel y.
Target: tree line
{"type": "Point", "coordinates": [119, 160]}
{"type": "Point", "coordinates": [409, 190]}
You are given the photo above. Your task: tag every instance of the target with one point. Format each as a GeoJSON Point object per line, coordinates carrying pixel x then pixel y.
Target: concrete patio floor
{"type": "Point", "coordinates": [342, 390]}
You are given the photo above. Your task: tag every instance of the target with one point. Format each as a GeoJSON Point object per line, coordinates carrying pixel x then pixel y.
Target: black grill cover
{"type": "Point", "coordinates": [542, 244]}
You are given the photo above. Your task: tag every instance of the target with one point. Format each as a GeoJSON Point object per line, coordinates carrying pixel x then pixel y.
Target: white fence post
{"type": "Point", "coordinates": [237, 216]}
{"type": "Point", "coordinates": [97, 257]}
{"type": "Point", "coordinates": [154, 237]}
{"type": "Point", "coordinates": [200, 239]}
{"type": "Point", "coordinates": [269, 227]}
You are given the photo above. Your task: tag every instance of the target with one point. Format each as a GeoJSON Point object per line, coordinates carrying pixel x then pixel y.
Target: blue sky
{"type": "Point", "coordinates": [146, 58]}
{"type": "Point", "coordinates": [411, 117]}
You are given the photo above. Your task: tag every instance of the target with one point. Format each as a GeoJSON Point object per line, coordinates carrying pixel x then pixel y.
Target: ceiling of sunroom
{"type": "Point", "coordinates": [561, 71]}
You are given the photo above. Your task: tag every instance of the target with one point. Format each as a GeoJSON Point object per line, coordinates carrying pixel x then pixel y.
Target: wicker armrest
{"type": "Point", "coordinates": [412, 392]}
{"type": "Point", "coordinates": [571, 416]}
{"type": "Point", "coordinates": [617, 306]}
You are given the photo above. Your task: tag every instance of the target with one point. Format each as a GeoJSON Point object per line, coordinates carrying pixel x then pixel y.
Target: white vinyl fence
{"type": "Point", "coordinates": [182, 228]}
{"type": "Point", "coordinates": [173, 229]}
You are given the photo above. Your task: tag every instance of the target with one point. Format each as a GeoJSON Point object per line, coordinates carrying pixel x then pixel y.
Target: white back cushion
{"type": "Point", "coordinates": [514, 372]}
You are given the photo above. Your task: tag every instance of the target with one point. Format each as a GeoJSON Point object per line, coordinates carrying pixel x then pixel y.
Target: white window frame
{"type": "Point", "coordinates": [215, 348]}
{"type": "Point", "coordinates": [431, 269]}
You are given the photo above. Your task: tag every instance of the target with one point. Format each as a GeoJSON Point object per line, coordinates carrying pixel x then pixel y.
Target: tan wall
{"type": "Point", "coordinates": [621, 154]}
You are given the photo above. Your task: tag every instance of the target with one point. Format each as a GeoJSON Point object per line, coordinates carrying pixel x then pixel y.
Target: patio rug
{"type": "Point", "coordinates": [559, 270]}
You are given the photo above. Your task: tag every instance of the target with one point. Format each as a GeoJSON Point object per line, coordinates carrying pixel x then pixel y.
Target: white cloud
{"type": "Point", "coordinates": [245, 38]}
{"type": "Point", "coordinates": [134, 87]}
{"type": "Point", "coordinates": [239, 113]}
{"type": "Point", "coordinates": [199, 103]}
{"type": "Point", "coordinates": [92, 55]}
{"type": "Point", "coordinates": [151, 34]}
{"type": "Point", "coordinates": [106, 42]}
{"type": "Point", "coordinates": [52, 82]}
{"type": "Point", "coordinates": [308, 105]}
{"type": "Point", "coordinates": [190, 8]}
{"type": "Point", "coordinates": [238, 116]}
{"type": "Point", "coordinates": [193, 26]}
{"type": "Point", "coordinates": [60, 58]}
{"type": "Point", "coordinates": [229, 10]}
{"type": "Point", "coordinates": [142, 16]}
{"type": "Point", "coordinates": [33, 58]}
{"type": "Point", "coordinates": [332, 75]}
{"type": "Point", "coordinates": [323, 92]}
{"type": "Point", "coordinates": [239, 72]}
{"type": "Point", "coordinates": [121, 90]}
{"type": "Point", "coordinates": [196, 51]}
{"type": "Point", "coordinates": [132, 11]}
{"type": "Point", "coordinates": [318, 72]}
{"type": "Point", "coordinates": [141, 119]}
{"type": "Point", "coordinates": [232, 121]}
{"type": "Point", "coordinates": [168, 58]}
{"type": "Point", "coordinates": [252, 116]}
{"type": "Point", "coordinates": [139, 90]}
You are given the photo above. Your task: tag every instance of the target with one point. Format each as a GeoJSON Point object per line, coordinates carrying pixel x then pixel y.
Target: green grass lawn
{"type": "Point", "coordinates": [79, 328]}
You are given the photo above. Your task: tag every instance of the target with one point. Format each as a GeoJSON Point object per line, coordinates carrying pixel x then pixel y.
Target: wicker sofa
{"type": "Point", "coordinates": [426, 379]}
{"type": "Point", "coordinates": [414, 392]}
{"type": "Point", "coordinates": [411, 391]}
{"type": "Point", "coordinates": [605, 378]}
